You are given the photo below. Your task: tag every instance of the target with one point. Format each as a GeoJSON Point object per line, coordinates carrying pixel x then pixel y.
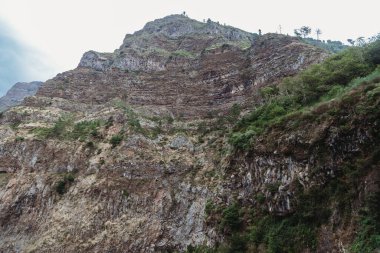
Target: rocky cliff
{"type": "Point", "coordinates": [154, 148]}
{"type": "Point", "coordinates": [175, 63]}
{"type": "Point", "coordinates": [17, 93]}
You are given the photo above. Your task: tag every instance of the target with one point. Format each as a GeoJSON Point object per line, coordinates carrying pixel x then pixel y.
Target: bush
{"type": "Point", "coordinates": [59, 128]}
{"type": "Point", "coordinates": [372, 53]}
{"type": "Point", "coordinates": [260, 198]}
{"type": "Point", "coordinates": [231, 218]}
{"type": "Point", "coordinates": [84, 129]}
{"type": "Point", "coordinates": [269, 91]}
{"type": "Point", "coordinates": [234, 113]}
{"type": "Point", "coordinates": [209, 207]}
{"type": "Point", "coordinates": [63, 184]}
{"type": "Point", "coordinates": [116, 140]}
{"type": "Point", "coordinates": [283, 234]}
{"type": "Point", "coordinates": [56, 131]}
{"type": "Point", "coordinates": [368, 236]}
{"type": "Point", "coordinates": [19, 138]}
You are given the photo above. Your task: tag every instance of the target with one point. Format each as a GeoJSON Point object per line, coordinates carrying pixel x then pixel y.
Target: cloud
{"type": "Point", "coordinates": [19, 63]}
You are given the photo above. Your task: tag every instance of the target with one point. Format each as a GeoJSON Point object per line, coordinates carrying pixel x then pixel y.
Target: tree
{"type": "Point", "coordinates": [305, 30]}
{"type": "Point", "coordinates": [360, 41]}
{"type": "Point", "coordinates": [297, 32]}
{"type": "Point", "coordinates": [374, 38]}
{"type": "Point", "coordinates": [318, 32]}
{"type": "Point", "coordinates": [351, 41]}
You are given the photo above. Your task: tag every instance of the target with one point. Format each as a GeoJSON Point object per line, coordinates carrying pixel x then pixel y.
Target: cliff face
{"type": "Point", "coordinates": [129, 152]}
{"type": "Point", "coordinates": [17, 93]}
{"type": "Point", "coordinates": [176, 63]}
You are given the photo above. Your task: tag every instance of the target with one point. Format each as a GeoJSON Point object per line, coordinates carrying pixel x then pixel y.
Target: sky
{"type": "Point", "coordinates": [42, 38]}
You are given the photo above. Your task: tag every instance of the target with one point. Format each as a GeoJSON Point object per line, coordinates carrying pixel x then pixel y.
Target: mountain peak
{"type": "Point", "coordinates": [174, 26]}
{"type": "Point", "coordinates": [178, 36]}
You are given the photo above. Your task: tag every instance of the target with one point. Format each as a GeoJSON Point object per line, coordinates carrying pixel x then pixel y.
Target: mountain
{"type": "Point", "coordinates": [177, 63]}
{"type": "Point", "coordinates": [17, 93]}
{"type": "Point", "coordinates": [196, 137]}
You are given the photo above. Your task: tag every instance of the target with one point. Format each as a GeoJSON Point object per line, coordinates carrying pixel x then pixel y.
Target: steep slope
{"type": "Point", "coordinates": [142, 149]}
{"type": "Point", "coordinates": [17, 93]}
{"type": "Point", "coordinates": [175, 63]}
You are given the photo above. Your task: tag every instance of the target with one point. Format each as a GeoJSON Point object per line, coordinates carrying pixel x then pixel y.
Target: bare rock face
{"type": "Point", "coordinates": [119, 155]}
{"type": "Point", "coordinates": [17, 93]}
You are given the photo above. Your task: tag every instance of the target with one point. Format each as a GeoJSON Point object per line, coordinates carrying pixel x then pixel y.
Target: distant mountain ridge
{"type": "Point", "coordinates": [17, 93]}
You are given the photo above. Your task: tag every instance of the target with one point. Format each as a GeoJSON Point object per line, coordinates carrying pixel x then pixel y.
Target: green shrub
{"type": "Point", "coordinates": [273, 187]}
{"type": "Point", "coordinates": [283, 234]}
{"type": "Point", "coordinates": [59, 128]}
{"type": "Point", "coordinates": [367, 239]}
{"type": "Point", "coordinates": [183, 53]}
{"type": "Point", "coordinates": [90, 145]}
{"type": "Point", "coordinates": [169, 119]}
{"type": "Point", "coordinates": [19, 138]}
{"type": "Point", "coordinates": [116, 140]}
{"type": "Point", "coordinates": [42, 132]}
{"type": "Point", "coordinates": [126, 193]}
{"type": "Point", "coordinates": [372, 53]}
{"type": "Point", "coordinates": [238, 243]}
{"type": "Point", "coordinates": [231, 217]}
{"type": "Point", "coordinates": [269, 91]}
{"type": "Point", "coordinates": [109, 122]}
{"type": "Point", "coordinates": [260, 198]}
{"type": "Point", "coordinates": [60, 187]}
{"type": "Point", "coordinates": [234, 113]}
{"type": "Point", "coordinates": [63, 184]}
{"type": "Point", "coordinates": [209, 207]}
{"type": "Point", "coordinates": [199, 249]}
{"type": "Point", "coordinates": [84, 129]}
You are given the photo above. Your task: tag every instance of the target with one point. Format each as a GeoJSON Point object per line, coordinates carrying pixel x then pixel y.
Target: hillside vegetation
{"type": "Point", "coordinates": [344, 93]}
{"type": "Point", "coordinates": [318, 84]}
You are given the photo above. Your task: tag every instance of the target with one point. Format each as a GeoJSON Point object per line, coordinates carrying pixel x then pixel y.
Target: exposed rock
{"type": "Point", "coordinates": [181, 141]}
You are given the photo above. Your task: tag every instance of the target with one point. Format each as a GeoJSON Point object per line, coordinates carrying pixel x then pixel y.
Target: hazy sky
{"type": "Point", "coordinates": [61, 31]}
